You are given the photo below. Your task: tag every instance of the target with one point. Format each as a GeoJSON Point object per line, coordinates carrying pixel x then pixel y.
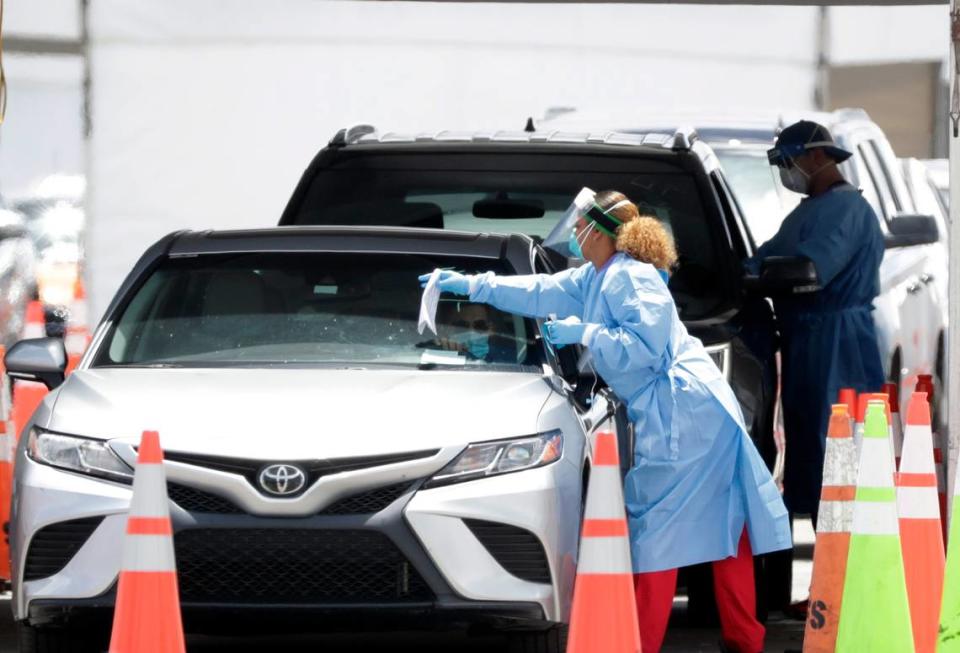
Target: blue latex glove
{"type": "Point", "coordinates": [450, 281]}
{"type": "Point", "coordinates": [568, 331]}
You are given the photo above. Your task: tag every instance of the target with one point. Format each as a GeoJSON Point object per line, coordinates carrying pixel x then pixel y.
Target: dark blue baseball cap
{"type": "Point", "coordinates": [800, 137]}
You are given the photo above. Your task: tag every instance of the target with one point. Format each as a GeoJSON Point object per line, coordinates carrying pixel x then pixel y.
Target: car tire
{"type": "Point", "coordinates": [552, 640]}
{"type": "Point", "coordinates": [31, 639]}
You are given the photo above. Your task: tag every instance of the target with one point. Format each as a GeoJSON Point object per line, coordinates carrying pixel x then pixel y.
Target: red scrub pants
{"type": "Point", "coordinates": [736, 602]}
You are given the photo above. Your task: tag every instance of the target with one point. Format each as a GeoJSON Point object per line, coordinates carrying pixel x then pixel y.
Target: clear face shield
{"type": "Point", "coordinates": [559, 237]}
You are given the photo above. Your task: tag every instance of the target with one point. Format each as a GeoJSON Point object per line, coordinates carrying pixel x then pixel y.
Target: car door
{"type": "Point", "coordinates": [598, 407]}
{"type": "Point", "coordinates": [926, 311]}
{"type": "Point", "coordinates": [899, 270]}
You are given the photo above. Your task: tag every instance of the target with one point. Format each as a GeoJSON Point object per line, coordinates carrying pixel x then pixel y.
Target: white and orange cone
{"type": "Point", "coordinates": [834, 521]}
{"type": "Point", "coordinates": [77, 335]}
{"type": "Point", "coordinates": [604, 613]}
{"type": "Point", "coordinates": [147, 614]}
{"type": "Point", "coordinates": [35, 324]}
{"type": "Point", "coordinates": [921, 537]}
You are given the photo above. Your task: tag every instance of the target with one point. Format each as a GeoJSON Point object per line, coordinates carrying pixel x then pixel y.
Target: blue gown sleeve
{"type": "Point", "coordinates": [836, 236]}
{"type": "Point", "coordinates": [533, 295]}
{"type": "Point", "coordinates": [642, 310]}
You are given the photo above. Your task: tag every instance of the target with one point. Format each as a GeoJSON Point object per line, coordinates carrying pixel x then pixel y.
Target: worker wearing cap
{"type": "Point", "coordinates": [829, 339]}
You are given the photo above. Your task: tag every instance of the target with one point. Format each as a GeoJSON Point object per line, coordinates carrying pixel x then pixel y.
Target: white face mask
{"type": "Point", "coordinates": [797, 179]}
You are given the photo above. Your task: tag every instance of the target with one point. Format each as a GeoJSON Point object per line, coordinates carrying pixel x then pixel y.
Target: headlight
{"type": "Point", "coordinates": [501, 457]}
{"type": "Point", "coordinates": [93, 457]}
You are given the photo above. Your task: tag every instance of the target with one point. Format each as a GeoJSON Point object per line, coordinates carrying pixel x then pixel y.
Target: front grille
{"type": "Point", "coordinates": [53, 546]}
{"type": "Point", "coordinates": [192, 499]}
{"type": "Point", "coordinates": [370, 501]}
{"type": "Point", "coordinates": [314, 469]}
{"type": "Point", "coordinates": [294, 566]}
{"type": "Point", "coordinates": [517, 550]}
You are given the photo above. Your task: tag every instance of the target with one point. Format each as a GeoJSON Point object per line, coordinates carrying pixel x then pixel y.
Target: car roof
{"type": "Point", "coordinates": [747, 125]}
{"type": "Point", "coordinates": [359, 239]}
{"type": "Point", "coordinates": [516, 249]}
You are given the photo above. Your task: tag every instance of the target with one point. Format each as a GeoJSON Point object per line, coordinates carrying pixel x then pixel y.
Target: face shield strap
{"type": "Point", "coordinates": [604, 221]}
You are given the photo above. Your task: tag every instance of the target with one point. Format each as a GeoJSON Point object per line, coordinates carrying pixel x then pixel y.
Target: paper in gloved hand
{"type": "Point", "coordinates": [428, 304]}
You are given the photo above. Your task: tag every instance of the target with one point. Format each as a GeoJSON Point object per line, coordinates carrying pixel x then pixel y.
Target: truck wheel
{"type": "Point", "coordinates": [552, 640]}
{"type": "Point", "coordinates": [57, 640]}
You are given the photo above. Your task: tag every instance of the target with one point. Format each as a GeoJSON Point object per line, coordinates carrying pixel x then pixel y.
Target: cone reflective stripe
{"type": "Point", "coordinates": [34, 326]}
{"type": "Point", "coordinates": [896, 426]}
{"type": "Point", "coordinates": [834, 521]}
{"type": "Point", "coordinates": [921, 539]}
{"type": "Point", "coordinates": [147, 614]}
{"type": "Point", "coordinates": [876, 613]}
{"type": "Point", "coordinates": [604, 613]}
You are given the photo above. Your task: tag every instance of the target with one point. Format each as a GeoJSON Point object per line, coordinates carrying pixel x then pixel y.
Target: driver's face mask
{"type": "Point", "coordinates": [476, 344]}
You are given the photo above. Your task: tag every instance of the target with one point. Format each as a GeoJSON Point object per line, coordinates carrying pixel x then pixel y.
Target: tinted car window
{"type": "Point", "coordinates": [879, 183]}
{"type": "Point", "coordinates": [756, 183]}
{"type": "Point", "coordinates": [514, 194]}
{"type": "Point", "coordinates": [338, 309]}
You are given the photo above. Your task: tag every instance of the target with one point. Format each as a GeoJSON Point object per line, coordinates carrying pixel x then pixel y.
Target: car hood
{"type": "Point", "coordinates": [299, 413]}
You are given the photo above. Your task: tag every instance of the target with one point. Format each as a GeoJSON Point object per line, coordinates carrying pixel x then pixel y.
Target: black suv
{"type": "Point", "coordinates": [521, 182]}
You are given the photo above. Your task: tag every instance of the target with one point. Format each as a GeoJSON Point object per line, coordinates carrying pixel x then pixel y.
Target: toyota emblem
{"type": "Point", "coordinates": [282, 480]}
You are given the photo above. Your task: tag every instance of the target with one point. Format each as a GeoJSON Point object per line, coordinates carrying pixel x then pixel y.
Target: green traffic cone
{"type": "Point", "coordinates": [876, 613]}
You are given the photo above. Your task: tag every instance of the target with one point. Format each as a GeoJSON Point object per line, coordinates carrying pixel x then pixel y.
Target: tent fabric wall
{"type": "Point", "coordinates": [204, 114]}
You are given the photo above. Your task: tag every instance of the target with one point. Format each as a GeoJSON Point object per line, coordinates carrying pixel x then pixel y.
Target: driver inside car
{"type": "Point", "coordinates": [469, 328]}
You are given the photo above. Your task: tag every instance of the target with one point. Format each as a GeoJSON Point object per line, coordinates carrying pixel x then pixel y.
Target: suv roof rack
{"type": "Point", "coordinates": [679, 140]}
{"type": "Point", "coordinates": [351, 134]}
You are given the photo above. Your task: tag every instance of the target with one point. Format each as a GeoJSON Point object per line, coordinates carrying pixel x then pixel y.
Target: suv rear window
{"type": "Point", "coordinates": [521, 193]}
{"type": "Point", "coordinates": [349, 310]}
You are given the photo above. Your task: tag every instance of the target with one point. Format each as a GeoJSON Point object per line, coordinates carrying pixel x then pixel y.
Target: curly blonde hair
{"type": "Point", "coordinates": [640, 236]}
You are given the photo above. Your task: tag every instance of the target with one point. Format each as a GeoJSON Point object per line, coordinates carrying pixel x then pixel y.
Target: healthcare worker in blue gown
{"type": "Point", "coordinates": [698, 490]}
{"type": "Point", "coordinates": [828, 338]}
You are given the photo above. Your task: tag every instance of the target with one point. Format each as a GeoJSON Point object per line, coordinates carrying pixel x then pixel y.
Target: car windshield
{"type": "Point", "coordinates": [335, 309]}
{"type": "Point", "coordinates": [509, 193]}
{"type": "Point", "coordinates": [756, 184]}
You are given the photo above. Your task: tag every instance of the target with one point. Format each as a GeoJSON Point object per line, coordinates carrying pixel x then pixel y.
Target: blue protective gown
{"type": "Point", "coordinates": [696, 478]}
{"type": "Point", "coordinates": [829, 340]}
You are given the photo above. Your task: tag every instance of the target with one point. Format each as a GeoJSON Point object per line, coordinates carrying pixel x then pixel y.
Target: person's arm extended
{"type": "Point", "coordinates": [532, 295]}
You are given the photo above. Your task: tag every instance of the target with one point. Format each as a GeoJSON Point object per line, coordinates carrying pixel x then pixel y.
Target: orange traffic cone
{"type": "Point", "coordinates": [834, 521]}
{"type": "Point", "coordinates": [27, 395]}
{"type": "Point", "coordinates": [34, 326]}
{"type": "Point", "coordinates": [921, 537]}
{"type": "Point", "coordinates": [848, 396]}
{"type": "Point", "coordinates": [925, 384]}
{"type": "Point", "coordinates": [896, 426]}
{"type": "Point", "coordinates": [147, 614]}
{"type": "Point", "coordinates": [604, 614]}
{"type": "Point", "coordinates": [77, 335]}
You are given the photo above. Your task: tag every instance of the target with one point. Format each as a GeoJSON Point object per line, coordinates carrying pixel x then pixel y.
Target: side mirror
{"type": "Point", "coordinates": [37, 359]}
{"type": "Point", "coordinates": [12, 230]}
{"type": "Point", "coordinates": [912, 230]}
{"type": "Point", "coordinates": [784, 275]}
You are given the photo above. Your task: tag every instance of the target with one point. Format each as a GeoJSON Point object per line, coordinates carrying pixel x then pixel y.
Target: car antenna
{"type": "Point", "coordinates": [530, 127]}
